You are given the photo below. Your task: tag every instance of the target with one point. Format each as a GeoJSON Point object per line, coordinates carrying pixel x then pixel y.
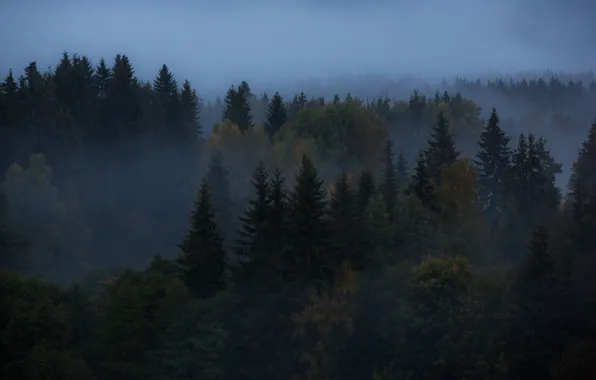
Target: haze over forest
{"type": "Point", "coordinates": [315, 190]}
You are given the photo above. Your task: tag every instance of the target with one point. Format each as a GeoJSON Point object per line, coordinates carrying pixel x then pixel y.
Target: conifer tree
{"type": "Point", "coordinates": [276, 115]}
{"type": "Point", "coordinates": [493, 162]}
{"type": "Point", "coordinates": [401, 168]}
{"type": "Point", "coordinates": [219, 185]}
{"type": "Point", "coordinates": [102, 78]}
{"type": "Point", "coordinates": [307, 230]}
{"type": "Point", "coordinates": [202, 262]}
{"type": "Point", "coordinates": [166, 88]}
{"type": "Point", "coordinates": [441, 148]}
{"type": "Point", "coordinates": [254, 224]}
{"type": "Point", "coordinates": [389, 187]}
{"type": "Point", "coordinates": [582, 190]}
{"type": "Point", "coordinates": [190, 109]}
{"type": "Point", "coordinates": [346, 225]}
{"type": "Point", "coordinates": [366, 190]}
{"type": "Point", "coordinates": [237, 108]}
{"type": "Point", "coordinates": [278, 209]}
{"type": "Point", "coordinates": [422, 185]}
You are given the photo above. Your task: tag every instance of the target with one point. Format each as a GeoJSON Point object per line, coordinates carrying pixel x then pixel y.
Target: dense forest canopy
{"type": "Point", "coordinates": [147, 233]}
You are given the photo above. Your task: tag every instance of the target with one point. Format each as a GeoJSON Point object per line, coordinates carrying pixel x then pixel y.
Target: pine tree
{"type": "Point", "coordinates": [102, 78]}
{"type": "Point", "coordinates": [237, 108]}
{"type": "Point", "coordinates": [422, 186]}
{"type": "Point", "coordinates": [388, 187]}
{"type": "Point", "coordinates": [202, 262]}
{"type": "Point", "coordinates": [190, 109]}
{"type": "Point", "coordinates": [254, 225]}
{"type": "Point", "coordinates": [441, 148]}
{"type": "Point", "coordinates": [307, 229]}
{"type": "Point", "coordinates": [582, 191]}
{"type": "Point", "coordinates": [366, 190]}
{"type": "Point", "coordinates": [346, 225]}
{"type": "Point", "coordinates": [219, 185]}
{"type": "Point", "coordinates": [493, 162]}
{"type": "Point", "coordinates": [278, 209]}
{"type": "Point", "coordinates": [166, 88]}
{"type": "Point", "coordinates": [401, 168]}
{"type": "Point", "coordinates": [276, 115]}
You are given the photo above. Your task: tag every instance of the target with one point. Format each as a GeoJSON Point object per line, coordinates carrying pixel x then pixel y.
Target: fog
{"type": "Point", "coordinates": [216, 43]}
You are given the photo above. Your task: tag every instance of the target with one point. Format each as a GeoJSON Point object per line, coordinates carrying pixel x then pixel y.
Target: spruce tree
{"type": "Point", "coordinates": [278, 208]}
{"type": "Point", "coordinates": [219, 185]}
{"type": "Point", "coordinates": [441, 148]}
{"type": "Point", "coordinates": [254, 239]}
{"type": "Point", "coordinates": [493, 161]}
{"type": "Point", "coordinates": [202, 262]}
{"type": "Point", "coordinates": [237, 108]}
{"type": "Point", "coordinates": [346, 224]}
{"type": "Point", "coordinates": [190, 113]}
{"type": "Point", "coordinates": [307, 229]}
{"type": "Point", "coordinates": [389, 187]}
{"type": "Point", "coordinates": [582, 191]}
{"type": "Point", "coordinates": [276, 115]}
{"type": "Point", "coordinates": [401, 168]}
{"type": "Point", "coordinates": [366, 190]}
{"type": "Point", "coordinates": [422, 185]}
{"type": "Point", "coordinates": [102, 78]}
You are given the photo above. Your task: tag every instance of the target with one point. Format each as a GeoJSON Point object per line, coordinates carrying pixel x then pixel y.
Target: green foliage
{"type": "Point", "coordinates": [276, 115]}
{"type": "Point", "coordinates": [441, 148]}
{"type": "Point", "coordinates": [307, 229]}
{"type": "Point", "coordinates": [202, 262]}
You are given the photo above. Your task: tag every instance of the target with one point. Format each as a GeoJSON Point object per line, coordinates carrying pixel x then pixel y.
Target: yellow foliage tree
{"type": "Point", "coordinates": [327, 320]}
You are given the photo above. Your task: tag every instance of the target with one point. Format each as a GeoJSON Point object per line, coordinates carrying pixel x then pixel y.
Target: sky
{"type": "Point", "coordinates": [215, 43]}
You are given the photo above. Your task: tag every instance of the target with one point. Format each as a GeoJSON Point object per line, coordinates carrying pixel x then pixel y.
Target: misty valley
{"type": "Point", "coordinates": [425, 232]}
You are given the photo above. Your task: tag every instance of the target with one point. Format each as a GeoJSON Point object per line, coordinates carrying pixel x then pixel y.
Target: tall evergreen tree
{"type": "Point", "coordinates": [582, 191]}
{"type": "Point", "coordinates": [166, 88]}
{"type": "Point", "coordinates": [276, 115]}
{"type": "Point", "coordinates": [254, 225]}
{"type": "Point", "coordinates": [401, 168]}
{"type": "Point", "coordinates": [307, 229]}
{"type": "Point", "coordinates": [422, 185]}
{"type": "Point", "coordinates": [346, 224]}
{"type": "Point", "coordinates": [441, 148]}
{"type": "Point", "coordinates": [202, 262]}
{"type": "Point", "coordinates": [102, 78]}
{"type": "Point", "coordinates": [389, 187]}
{"type": "Point", "coordinates": [278, 219]}
{"type": "Point", "coordinates": [219, 186]}
{"type": "Point", "coordinates": [237, 108]}
{"type": "Point", "coordinates": [493, 162]}
{"type": "Point", "coordinates": [366, 190]}
{"type": "Point", "coordinates": [190, 109]}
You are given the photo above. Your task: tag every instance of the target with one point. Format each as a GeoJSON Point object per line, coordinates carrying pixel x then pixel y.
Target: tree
{"type": "Point", "coordinates": [441, 148]}
{"type": "Point", "coordinates": [366, 190]}
{"type": "Point", "coordinates": [166, 88]}
{"type": "Point", "coordinates": [388, 187]}
{"type": "Point", "coordinates": [307, 230]}
{"type": "Point", "coordinates": [401, 168]}
{"type": "Point", "coordinates": [346, 239]}
{"type": "Point", "coordinates": [422, 185]}
{"type": "Point", "coordinates": [219, 186]}
{"type": "Point", "coordinates": [237, 109]}
{"type": "Point", "coordinates": [276, 115]}
{"type": "Point", "coordinates": [493, 162]}
{"type": "Point", "coordinates": [278, 219]}
{"type": "Point", "coordinates": [254, 228]}
{"type": "Point", "coordinates": [202, 262]}
{"type": "Point", "coordinates": [190, 108]}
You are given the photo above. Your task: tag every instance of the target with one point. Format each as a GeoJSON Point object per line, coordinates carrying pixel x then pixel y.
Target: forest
{"type": "Point", "coordinates": [147, 233]}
